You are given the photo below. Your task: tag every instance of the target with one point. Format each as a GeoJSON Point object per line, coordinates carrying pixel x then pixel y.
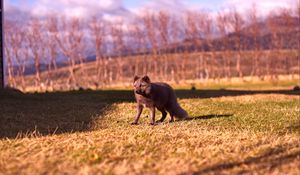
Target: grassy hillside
{"type": "Point", "coordinates": [89, 132]}
{"type": "Point", "coordinates": [181, 69]}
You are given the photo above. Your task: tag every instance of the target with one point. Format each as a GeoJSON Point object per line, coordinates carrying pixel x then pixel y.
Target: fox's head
{"type": "Point", "coordinates": [142, 85]}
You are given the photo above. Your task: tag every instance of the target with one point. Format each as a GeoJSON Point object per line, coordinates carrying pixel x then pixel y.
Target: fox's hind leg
{"type": "Point", "coordinates": [164, 114]}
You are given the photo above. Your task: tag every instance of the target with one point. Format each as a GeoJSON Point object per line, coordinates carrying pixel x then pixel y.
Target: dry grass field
{"type": "Point", "coordinates": [88, 132]}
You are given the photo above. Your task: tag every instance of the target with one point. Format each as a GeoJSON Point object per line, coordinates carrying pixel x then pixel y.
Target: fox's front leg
{"type": "Point", "coordinates": [152, 118]}
{"type": "Point", "coordinates": [138, 114]}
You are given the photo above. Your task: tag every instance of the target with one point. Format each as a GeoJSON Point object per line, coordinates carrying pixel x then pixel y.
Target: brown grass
{"type": "Point", "coordinates": [248, 134]}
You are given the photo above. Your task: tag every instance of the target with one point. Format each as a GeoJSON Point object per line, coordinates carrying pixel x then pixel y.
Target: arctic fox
{"type": "Point", "coordinates": [156, 95]}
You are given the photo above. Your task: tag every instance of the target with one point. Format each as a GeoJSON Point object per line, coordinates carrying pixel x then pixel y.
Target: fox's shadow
{"type": "Point", "coordinates": [210, 116]}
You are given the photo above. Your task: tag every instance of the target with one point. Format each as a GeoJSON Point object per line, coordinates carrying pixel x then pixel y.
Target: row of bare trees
{"type": "Point", "coordinates": [166, 46]}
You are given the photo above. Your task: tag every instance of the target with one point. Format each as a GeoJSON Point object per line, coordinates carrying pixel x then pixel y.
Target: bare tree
{"type": "Point", "coordinates": [8, 52]}
{"type": "Point", "coordinates": [286, 14]}
{"type": "Point", "coordinates": [222, 25]}
{"type": "Point", "coordinates": [37, 47]}
{"type": "Point", "coordinates": [13, 47]}
{"type": "Point", "coordinates": [206, 27]}
{"type": "Point", "coordinates": [98, 33]}
{"type": "Point", "coordinates": [119, 47]}
{"type": "Point", "coordinates": [254, 32]}
{"type": "Point", "coordinates": [164, 25]}
{"type": "Point", "coordinates": [69, 38]}
{"type": "Point", "coordinates": [52, 50]}
{"type": "Point", "coordinates": [20, 52]}
{"type": "Point", "coordinates": [191, 42]}
{"type": "Point", "coordinates": [150, 27]}
{"type": "Point", "coordinates": [272, 22]}
{"type": "Point", "coordinates": [176, 38]}
{"type": "Point", "coordinates": [139, 38]}
{"type": "Point", "coordinates": [237, 22]}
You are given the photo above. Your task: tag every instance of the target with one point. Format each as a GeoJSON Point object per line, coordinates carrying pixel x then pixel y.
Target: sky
{"type": "Point", "coordinates": [82, 8]}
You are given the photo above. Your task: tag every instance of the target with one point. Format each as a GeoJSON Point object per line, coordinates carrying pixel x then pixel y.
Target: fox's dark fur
{"type": "Point", "coordinates": [156, 95]}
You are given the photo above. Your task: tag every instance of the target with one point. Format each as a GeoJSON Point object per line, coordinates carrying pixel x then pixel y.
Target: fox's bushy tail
{"type": "Point", "coordinates": [180, 113]}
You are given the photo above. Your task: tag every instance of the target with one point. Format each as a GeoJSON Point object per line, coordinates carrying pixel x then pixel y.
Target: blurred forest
{"type": "Point", "coordinates": [57, 53]}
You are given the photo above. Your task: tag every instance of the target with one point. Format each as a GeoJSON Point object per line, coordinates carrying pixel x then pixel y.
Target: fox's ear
{"type": "Point", "coordinates": [146, 79]}
{"type": "Point", "coordinates": [135, 78]}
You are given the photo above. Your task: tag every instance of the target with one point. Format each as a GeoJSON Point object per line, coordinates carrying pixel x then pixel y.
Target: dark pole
{"type": "Point", "coordinates": [1, 47]}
